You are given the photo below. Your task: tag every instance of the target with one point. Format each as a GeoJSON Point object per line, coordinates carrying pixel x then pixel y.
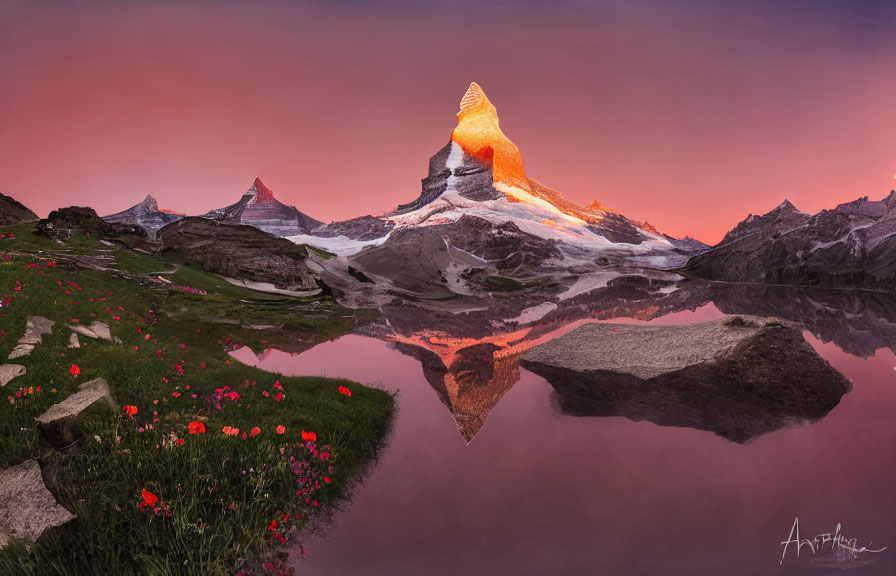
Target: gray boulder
{"type": "Point", "coordinates": [57, 422]}
{"type": "Point", "coordinates": [738, 377]}
{"type": "Point", "coordinates": [27, 508]}
{"type": "Point", "coordinates": [10, 371]}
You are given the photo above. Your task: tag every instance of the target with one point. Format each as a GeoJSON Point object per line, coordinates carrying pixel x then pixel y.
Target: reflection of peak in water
{"type": "Point", "coordinates": [472, 384]}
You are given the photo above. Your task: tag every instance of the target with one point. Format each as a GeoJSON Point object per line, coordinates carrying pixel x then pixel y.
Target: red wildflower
{"type": "Point", "coordinates": [196, 427]}
{"type": "Point", "coordinates": [149, 497]}
{"type": "Point", "coordinates": [232, 395]}
{"type": "Point", "coordinates": [176, 394]}
{"type": "Point", "coordinates": [279, 396]}
{"type": "Point", "coordinates": [281, 429]}
{"type": "Point", "coordinates": [231, 431]}
{"type": "Point", "coordinates": [74, 370]}
{"type": "Point", "coordinates": [309, 436]}
{"type": "Point", "coordinates": [255, 431]}
{"type": "Point", "coordinates": [130, 411]}
{"type": "Point", "coordinates": [179, 368]}
{"type": "Point", "coordinates": [277, 385]}
{"type": "Point", "coordinates": [180, 441]}
{"type": "Point", "coordinates": [345, 391]}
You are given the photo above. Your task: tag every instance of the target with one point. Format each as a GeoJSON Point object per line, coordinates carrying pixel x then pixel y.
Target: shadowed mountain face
{"type": "Point", "coordinates": [853, 245]}
{"type": "Point", "coordinates": [12, 212]}
{"type": "Point", "coordinates": [260, 209]}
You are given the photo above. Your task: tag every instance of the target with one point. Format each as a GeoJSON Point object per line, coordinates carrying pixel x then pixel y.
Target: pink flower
{"type": "Point", "coordinates": [232, 395]}
{"type": "Point", "coordinates": [279, 396]}
{"type": "Point", "coordinates": [281, 429]}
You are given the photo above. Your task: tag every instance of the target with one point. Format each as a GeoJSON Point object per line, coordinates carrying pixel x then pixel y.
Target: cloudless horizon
{"type": "Point", "coordinates": [689, 115]}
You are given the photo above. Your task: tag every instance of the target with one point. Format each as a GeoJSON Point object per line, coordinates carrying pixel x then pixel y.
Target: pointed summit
{"type": "Point", "coordinates": [480, 136]}
{"type": "Point", "coordinates": [149, 203]}
{"type": "Point", "coordinates": [261, 193]}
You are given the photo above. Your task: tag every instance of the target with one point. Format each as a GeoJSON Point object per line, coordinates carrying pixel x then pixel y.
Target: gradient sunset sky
{"type": "Point", "coordinates": [688, 114]}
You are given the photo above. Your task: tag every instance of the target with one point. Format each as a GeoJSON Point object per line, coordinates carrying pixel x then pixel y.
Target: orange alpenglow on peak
{"type": "Point", "coordinates": [479, 135]}
{"type": "Point", "coordinates": [262, 193]}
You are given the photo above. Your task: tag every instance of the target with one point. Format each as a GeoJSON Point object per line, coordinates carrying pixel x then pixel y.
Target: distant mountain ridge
{"type": "Point", "coordinates": [850, 246]}
{"type": "Point", "coordinates": [146, 214]}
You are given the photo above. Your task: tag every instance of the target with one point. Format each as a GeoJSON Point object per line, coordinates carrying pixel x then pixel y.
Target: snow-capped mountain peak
{"type": "Point", "coordinates": [479, 135]}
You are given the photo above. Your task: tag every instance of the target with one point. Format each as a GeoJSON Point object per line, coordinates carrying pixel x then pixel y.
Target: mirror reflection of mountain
{"type": "Point", "coordinates": [471, 358]}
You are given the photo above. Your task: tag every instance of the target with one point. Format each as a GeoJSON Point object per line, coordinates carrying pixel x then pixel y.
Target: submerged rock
{"type": "Point", "coordinates": [738, 377]}
{"type": "Point", "coordinates": [27, 508]}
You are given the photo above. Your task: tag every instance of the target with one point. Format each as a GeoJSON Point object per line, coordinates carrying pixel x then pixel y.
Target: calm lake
{"type": "Point", "coordinates": [539, 492]}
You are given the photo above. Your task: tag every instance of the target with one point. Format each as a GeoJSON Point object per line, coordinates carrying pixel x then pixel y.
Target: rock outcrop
{"type": "Point", "coordinates": [10, 371]}
{"type": "Point", "coordinates": [738, 377]}
{"type": "Point", "coordinates": [64, 223]}
{"type": "Point", "coordinates": [27, 508]}
{"type": "Point", "coordinates": [13, 212]}
{"type": "Point", "coordinates": [851, 246]}
{"type": "Point", "coordinates": [240, 252]}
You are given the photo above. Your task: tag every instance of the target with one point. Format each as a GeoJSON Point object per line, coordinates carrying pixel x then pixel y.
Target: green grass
{"type": "Point", "coordinates": [218, 518]}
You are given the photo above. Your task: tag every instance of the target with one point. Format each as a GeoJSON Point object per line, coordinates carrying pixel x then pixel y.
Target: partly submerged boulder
{"type": "Point", "coordinates": [27, 508]}
{"type": "Point", "coordinates": [738, 376]}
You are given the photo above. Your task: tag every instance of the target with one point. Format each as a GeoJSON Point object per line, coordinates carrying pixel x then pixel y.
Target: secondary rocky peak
{"type": "Point", "coordinates": [149, 203]}
{"type": "Point", "coordinates": [479, 135]}
{"type": "Point", "coordinates": [787, 205]}
{"type": "Point", "coordinates": [260, 192]}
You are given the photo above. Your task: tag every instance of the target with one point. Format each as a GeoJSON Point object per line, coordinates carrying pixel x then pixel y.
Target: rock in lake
{"type": "Point", "coordinates": [738, 377]}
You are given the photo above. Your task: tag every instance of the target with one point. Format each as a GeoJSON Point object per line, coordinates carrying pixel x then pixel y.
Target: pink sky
{"type": "Point", "coordinates": [690, 117]}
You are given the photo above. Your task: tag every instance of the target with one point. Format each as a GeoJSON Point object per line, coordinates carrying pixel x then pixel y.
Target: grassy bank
{"type": "Point", "coordinates": [223, 498]}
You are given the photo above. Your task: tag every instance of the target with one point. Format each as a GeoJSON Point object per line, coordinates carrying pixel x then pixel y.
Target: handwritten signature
{"type": "Point", "coordinates": [829, 542]}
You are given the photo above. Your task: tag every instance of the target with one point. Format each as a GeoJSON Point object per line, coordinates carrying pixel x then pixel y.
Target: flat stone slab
{"type": "Point", "coordinates": [27, 508]}
{"type": "Point", "coordinates": [738, 376]}
{"type": "Point", "coordinates": [35, 328]}
{"type": "Point", "coordinates": [21, 350]}
{"type": "Point", "coordinates": [10, 371]}
{"type": "Point", "coordinates": [88, 394]}
{"type": "Point", "coordinates": [97, 330]}
{"type": "Point", "coordinates": [73, 341]}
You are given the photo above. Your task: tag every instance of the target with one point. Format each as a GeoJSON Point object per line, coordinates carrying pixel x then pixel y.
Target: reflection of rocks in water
{"type": "Point", "coordinates": [735, 377]}
{"type": "Point", "coordinates": [858, 322]}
